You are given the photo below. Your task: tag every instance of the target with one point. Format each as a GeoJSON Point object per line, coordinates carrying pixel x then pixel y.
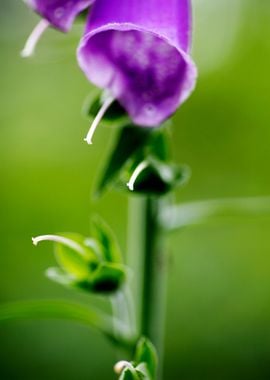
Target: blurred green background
{"type": "Point", "coordinates": [218, 325]}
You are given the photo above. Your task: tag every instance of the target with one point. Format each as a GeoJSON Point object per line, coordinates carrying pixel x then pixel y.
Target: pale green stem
{"type": "Point", "coordinates": [148, 260]}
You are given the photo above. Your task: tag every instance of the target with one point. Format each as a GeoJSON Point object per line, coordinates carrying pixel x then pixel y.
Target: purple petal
{"type": "Point", "coordinates": [59, 13]}
{"type": "Point", "coordinates": [138, 50]}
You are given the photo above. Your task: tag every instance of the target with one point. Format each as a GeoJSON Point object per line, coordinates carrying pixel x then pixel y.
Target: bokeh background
{"type": "Point", "coordinates": [218, 325]}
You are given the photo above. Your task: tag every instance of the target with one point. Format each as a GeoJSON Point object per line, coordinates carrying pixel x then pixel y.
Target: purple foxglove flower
{"type": "Point", "coordinates": [139, 51]}
{"type": "Point", "coordinates": [57, 13]}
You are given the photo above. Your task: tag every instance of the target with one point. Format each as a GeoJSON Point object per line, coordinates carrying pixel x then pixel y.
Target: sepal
{"type": "Point", "coordinates": [155, 178]}
{"type": "Point", "coordinates": [140, 162]}
{"type": "Point", "coordinates": [146, 354]}
{"type": "Point", "coordinates": [129, 141]}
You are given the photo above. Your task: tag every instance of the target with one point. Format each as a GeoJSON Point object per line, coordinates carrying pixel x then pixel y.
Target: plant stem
{"type": "Point", "coordinates": [149, 265]}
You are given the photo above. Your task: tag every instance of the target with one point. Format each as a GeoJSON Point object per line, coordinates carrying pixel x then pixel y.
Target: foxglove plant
{"type": "Point", "coordinates": [138, 52]}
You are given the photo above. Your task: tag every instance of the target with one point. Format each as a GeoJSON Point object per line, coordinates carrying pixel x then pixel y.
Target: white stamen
{"type": "Point", "coordinates": [31, 43]}
{"type": "Point", "coordinates": [60, 239]}
{"type": "Point", "coordinates": [136, 174]}
{"type": "Point", "coordinates": [98, 119]}
{"type": "Point", "coordinates": [120, 366]}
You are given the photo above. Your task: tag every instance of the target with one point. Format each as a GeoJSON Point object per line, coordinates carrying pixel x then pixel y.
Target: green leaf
{"type": "Point", "coordinates": [81, 17]}
{"type": "Point", "coordinates": [108, 278]}
{"type": "Point", "coordinates": [110, 250]}
{"type": "Point", "coordinates": [205, 211]}
{"type": "Point", "coordinates": [59, 276]}
{"type": "Point", "coordinates": [146, 353]}
{"type": "Point", "coordinates": [129, 374]}
{"type": "Point", "coordinates": [143, 372]}
{"type": "Point", "coordinates": [115, 113]}
{"type": "Point", "coordinates": [159, 144]}
{"type": "Point", "coordinates": [76, 262]}
{"type": "Point", "coordinates": [156, 177]}
{"type": "Point", "coordinates": [129, 140]}
{"type": "Point", "coordinates": [54, 309]}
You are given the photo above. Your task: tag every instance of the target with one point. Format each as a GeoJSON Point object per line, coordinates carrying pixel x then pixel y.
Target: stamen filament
{"type": "Point", "coordinates": [98, 119]}
{"type": "Point", "coordinates": [136, 174]}
{"type": "Point", "coordinates": [60, 239]}
{"type": "Point", "coordinates": [31, 43]}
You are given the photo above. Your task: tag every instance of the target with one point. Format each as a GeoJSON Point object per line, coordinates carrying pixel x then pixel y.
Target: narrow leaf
{"type": "Point", "coordinates": [146, 353]}
{"type": "Point", "coordinates": [129, 374]}
{"type": "Point", "coordinates": [108, 278]}
{"type": "Point", "coordinates": [78, 264]}
{"type": "Point", "coordinates": [59, 276]}
{"type": "Point", "coordinates": [108, 243]}
{"type": "Point", "coordinates": [143, 372]}
{"type": "Point", "coordinates": [129, 140]}
{"type": "Point", "coordinates": [159, 144]}
{"type": "Point", "coordinates": [156, 177]}
{"type": "Point", "coordinates": [115, 113]}
{"type": "Point", "coordinates": [54, 309]}
{"type": "Point", "coordinates": [199, 212]}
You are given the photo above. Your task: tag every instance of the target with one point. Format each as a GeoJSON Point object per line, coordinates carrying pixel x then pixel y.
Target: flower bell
{"type": "Point", "coordinates": [57, 13]}
{"type": "Point", "coordinates": [138, 50]}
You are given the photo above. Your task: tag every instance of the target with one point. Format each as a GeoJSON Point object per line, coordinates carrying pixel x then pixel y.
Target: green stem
{"type": "Point", "coordinates": [147, 248]}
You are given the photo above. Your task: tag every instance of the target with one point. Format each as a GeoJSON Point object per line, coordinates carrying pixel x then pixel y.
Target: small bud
{"type": "Point", "coordinates": [121, 365]}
